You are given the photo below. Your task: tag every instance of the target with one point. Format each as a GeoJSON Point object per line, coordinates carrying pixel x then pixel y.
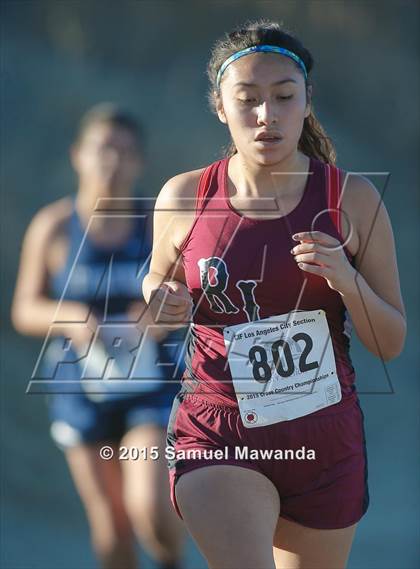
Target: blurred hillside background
{"type": "Point", "coordinates": [58, 58]}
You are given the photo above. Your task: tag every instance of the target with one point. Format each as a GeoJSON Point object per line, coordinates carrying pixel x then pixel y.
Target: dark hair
{"type": "Point", "coordinates": [314, 141]}
{"type": "Point", "coordinates": [112, 114]}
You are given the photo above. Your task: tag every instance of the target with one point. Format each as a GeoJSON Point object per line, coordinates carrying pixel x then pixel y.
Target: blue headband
{"type": "Point", "coordinates": [264, 49]}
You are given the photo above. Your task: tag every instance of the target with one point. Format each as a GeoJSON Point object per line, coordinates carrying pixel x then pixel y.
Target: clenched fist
{"type": "Point", "coordinates": [171, 304]}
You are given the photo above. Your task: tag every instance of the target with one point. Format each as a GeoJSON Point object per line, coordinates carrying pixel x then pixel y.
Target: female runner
{"type": "Point", "coordinates": [91, 264]}
{"type": "Point", "coordinates": [281, 257]}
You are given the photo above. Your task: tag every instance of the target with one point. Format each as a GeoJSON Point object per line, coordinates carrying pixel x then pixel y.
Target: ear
{"type": "Point", "coordinates": [219, 109]}
{"type": "Point", "coordinates": [308, 101]}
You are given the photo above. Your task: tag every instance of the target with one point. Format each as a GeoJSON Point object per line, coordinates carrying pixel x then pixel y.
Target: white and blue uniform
{"type": "Point", "coordinates": [108, 280]}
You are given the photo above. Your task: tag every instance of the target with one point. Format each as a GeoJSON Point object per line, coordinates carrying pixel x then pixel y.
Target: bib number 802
{"type": "Point", "coordinates": [261, 369]}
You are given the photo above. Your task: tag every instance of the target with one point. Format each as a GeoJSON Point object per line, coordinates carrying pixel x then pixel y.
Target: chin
{"type": "Point", "coordinates": [268, 158]}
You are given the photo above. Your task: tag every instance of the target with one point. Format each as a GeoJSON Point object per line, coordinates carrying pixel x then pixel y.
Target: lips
{"type": "Point", "coordinates": [268, 137]}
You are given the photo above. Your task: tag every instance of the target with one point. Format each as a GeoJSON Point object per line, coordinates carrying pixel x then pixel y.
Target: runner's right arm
{"type": "Point", "coordinates": [33, 312]}
{"type": "Point", "coordinates": [166, 270]}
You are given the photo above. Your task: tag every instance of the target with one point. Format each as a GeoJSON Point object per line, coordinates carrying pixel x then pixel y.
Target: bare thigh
{"type": "Point", "coordinates": [231, 513]}
{"type": "Point", "coordinates": [147, 494]}
{"type": "Point", "coordinates": [146, 484]}
{"type": "Point", "coordinates": [99, 483]}
{"type": "Point", "coordinates": [299, 547]}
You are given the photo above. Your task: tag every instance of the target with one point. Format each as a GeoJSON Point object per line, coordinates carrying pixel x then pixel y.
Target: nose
{"type": "Point", "coordinates": [266, 114]}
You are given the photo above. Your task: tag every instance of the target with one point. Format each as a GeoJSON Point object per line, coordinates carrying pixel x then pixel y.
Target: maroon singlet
{"type": "Point", "coordinates": [240, 269]}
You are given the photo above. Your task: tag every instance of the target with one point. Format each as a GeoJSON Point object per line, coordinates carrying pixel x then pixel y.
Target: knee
{"type": "Point", "coordinates": [147, 515]}
{"type": "Point", "coordinates": [110, 530]}
{"type": "Point", "coordinates": [111, 544]}
{"type": "Point", "coordinates": [157, 526]}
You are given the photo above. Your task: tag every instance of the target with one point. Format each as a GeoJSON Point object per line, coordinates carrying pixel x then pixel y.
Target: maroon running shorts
{"type": "Point", "coordinates": [328, 492]}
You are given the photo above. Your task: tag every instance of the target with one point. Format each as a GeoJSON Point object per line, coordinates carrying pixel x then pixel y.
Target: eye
{"type": "Point", "coordinates": [282, 98]}
{"type": "Point", "coordinates": [247, 100]}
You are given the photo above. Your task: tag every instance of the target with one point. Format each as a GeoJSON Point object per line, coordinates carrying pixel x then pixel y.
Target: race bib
{"type": "Point", "coordinates": [282, 367]}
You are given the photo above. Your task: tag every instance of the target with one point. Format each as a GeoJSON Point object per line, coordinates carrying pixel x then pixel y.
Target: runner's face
{"type": "Point", "coordinates": [264, 92]}
{"type": "Point", "coordinates": [107, 160]}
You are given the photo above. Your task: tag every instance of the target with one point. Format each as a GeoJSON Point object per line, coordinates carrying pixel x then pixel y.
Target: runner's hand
{"type": "Point", "coordinates": [320, 254]}
{"type": "Point", "coordinates": [171, 304]}
{"type": "Point", "coordinates": [140, 313]}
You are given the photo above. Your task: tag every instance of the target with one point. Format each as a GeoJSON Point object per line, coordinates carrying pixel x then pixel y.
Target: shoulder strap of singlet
{"type": "Point", "coordinates": [333, 183]}
{"type": "Point", "coordinates": [204, 185]}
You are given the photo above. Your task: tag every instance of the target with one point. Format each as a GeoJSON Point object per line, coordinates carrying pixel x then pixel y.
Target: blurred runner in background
{"type": "Point", "coordinates": [95, 265]}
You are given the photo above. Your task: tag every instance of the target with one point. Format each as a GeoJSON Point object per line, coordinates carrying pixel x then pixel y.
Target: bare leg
{"type": "Point", "coordinates": [231, 512]}
{"type": "Point", "coordinates": [299, 547]}
{"type": "Point", "coordinates": [147, 498]}
{"type": "Point", "coordinates": [99, 484]}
